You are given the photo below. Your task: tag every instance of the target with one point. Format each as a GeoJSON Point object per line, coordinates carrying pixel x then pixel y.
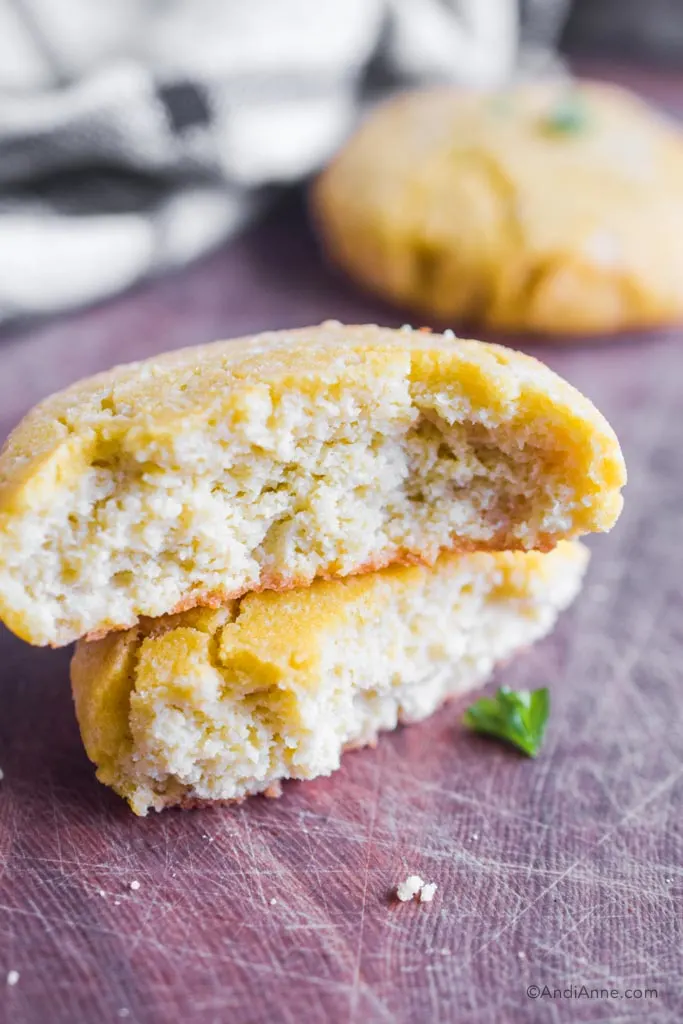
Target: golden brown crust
{"type": "Point", "coordinates": [170, 387]}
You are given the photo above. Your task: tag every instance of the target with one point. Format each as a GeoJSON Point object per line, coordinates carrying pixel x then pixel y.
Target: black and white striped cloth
{"type": "Point", "coordinates": [137, 134]}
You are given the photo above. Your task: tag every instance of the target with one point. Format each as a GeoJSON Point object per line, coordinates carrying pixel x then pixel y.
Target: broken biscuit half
{"type": "Point", "coordinates": [267, 462]}
{"type": "Point", "coordinates": [217, 704]}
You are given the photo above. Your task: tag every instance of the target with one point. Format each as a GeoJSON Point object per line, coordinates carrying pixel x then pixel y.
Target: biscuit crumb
{"type": "Point", "coordinates": [448, 333]}
{"type": "Point", "coordinates": [427, 892]}
{"type": "Point", "coordinates": [416, 886]}
{"type": "Point", "coordinates": [135, 885]}
{"type": "Point", "coordinates": [273, 902]}
{"type": "Point", "coordinates": [101, 892]}
{"type": "Point", "coordinates": [410, 888]}
{"type": "Point", "coordinates": [12, 977]}
{"type": "Point", "coordinates": [406, 327]}
{"type": "Point", "coordinates": [123, 1012]}
{"type": "Point", "coordinates": [521, 955]}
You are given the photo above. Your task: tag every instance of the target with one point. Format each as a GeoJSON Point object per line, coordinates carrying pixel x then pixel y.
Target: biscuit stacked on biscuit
{"type": "Point", "coordinates": [269, 549]}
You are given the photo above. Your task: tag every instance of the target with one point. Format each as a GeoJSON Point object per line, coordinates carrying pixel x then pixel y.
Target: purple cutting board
{"type": "Point", "coordinates": [562, 872]}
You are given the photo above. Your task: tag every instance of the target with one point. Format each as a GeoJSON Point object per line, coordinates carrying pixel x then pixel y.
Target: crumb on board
{"type": "Point", "coordinates": [12, 977]}
{"type": "Point", "coordinates": [135, 885]}
{"type": "Point", "coordinates": [415, 886]}
{"type": "Point", "coordinates": [521, 955]}
{"type": "Point", "coordinates": [427, 892]}
{"type": "Point", "coordinates": [273, 902]}
{"type": "Point", "coordinates": [410, 888]}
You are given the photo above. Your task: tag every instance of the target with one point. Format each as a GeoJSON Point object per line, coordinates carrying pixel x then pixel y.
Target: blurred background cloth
{"type": "Point", "coordinates": [644, 30]}
{"type": "Point", "coordinates": [137, 134]}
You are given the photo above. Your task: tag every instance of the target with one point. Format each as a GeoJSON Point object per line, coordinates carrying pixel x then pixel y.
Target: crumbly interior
{"type": "Point", "coordinates": [208, 710]}
{"type": "Point", "coordinates": [275, 496]}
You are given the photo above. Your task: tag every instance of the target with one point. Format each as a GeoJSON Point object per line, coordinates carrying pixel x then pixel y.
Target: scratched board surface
{"type": "Point", "coordinates": [564, 872]}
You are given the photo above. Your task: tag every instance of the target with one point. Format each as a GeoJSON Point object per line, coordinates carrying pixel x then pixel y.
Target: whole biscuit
{"type": "Point", "coordinates": [555, 208]}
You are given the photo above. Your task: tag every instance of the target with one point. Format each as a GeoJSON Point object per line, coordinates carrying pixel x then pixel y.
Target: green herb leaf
{"type": "Point", "coordinates": [569, 116]}
{"type": "Point", "coordinates": [518, 716]}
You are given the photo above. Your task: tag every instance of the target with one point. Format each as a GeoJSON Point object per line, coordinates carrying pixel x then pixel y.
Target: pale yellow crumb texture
{"type": "Point", "coordinates": [555, 207]}
{"type": "Point", "coordinates": [270, 461]}
{"type": "Point", "coordinates": [219, 704]}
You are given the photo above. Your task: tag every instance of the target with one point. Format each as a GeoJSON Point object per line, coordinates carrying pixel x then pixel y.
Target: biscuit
{"type": "Point", "coordinates": [553, 208]}
{"type": "Point", "coordinates": [215, 705]}
{"type": "Point", "coordinates": [203, 474]}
